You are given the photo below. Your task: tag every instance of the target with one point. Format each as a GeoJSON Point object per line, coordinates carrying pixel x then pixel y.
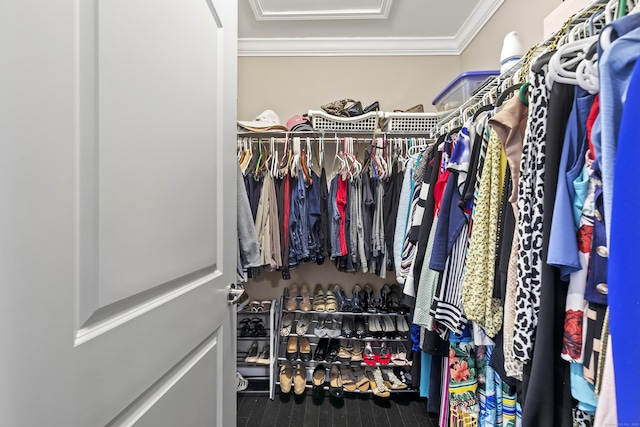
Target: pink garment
{"type": "Point", "coordinates": [341, 200]}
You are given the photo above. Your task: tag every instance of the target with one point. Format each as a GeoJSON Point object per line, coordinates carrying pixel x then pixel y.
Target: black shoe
{"type": "Point", "coordinates": [292, 348]}
{"type": "Point", "coordinates": [397, 300]}
{"type": "Point", "coordinates": [333, 350]}
{"type": "Point", "coordinates": [318, 380]}
{"type": "Point", "coordinates": [359, 327]}
{"type": "Point", "coordinates": [357, 301]}
{"type": "Point", "coordinates": [347, 327]}
{"type": "Point", "coordinates": [384, 293]}
{"type": "Point", "coordinates": [341, 298]}
{"type": "Point", "coordinates": [321, 349]}
{"type": "Point", "coordinates": [368, 297]}
{"type": "Point", "coordinates": [373, 107]}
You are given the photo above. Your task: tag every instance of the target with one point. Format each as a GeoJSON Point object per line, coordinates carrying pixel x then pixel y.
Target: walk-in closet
{"type": "Point", "coordinates": [450, 265]}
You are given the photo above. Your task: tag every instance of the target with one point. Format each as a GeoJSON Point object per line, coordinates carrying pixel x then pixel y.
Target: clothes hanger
{"type": "Point", "coordinates": [247, 158]}
{"type": "Point", "coordinates": [506, 92]}
{"type": "Point", "coordinates": [566, 58]}
{"type": "Point", "coordinates": [257, 168]}
{"type": "Point", "coordinates": [285, 156]}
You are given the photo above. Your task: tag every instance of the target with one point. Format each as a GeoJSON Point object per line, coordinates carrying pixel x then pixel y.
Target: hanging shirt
{"type": "Point", "coordinates": [563, 248]}
{"type": "Point", "coordinates": [477, 292]}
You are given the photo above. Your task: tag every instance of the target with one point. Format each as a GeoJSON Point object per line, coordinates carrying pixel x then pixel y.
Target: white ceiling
{"type": "Point", "coordinates": [360, 27]}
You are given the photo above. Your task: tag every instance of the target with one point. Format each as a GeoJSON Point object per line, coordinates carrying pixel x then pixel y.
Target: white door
{"type": "Point", "coordinates": [117, 212]}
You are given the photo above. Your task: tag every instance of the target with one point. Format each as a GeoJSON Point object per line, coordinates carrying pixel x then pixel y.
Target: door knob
{"type": "Point", "coordinates": [234, 293]}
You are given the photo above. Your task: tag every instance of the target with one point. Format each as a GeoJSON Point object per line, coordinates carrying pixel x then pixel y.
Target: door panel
{"type": "Point", "coordinates": [150, 211]}
{"type": "Point", "coordinates": [118, 234]}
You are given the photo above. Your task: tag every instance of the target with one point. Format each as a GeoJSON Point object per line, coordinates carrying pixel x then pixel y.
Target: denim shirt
{"type": "Point", "coordinates": [313, 197]}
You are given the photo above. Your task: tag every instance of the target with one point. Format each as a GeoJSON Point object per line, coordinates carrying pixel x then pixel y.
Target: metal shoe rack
{"type": "Point", "coordinates": [309, 366]}
{"type": "Point", "coordinates": [260, 376]}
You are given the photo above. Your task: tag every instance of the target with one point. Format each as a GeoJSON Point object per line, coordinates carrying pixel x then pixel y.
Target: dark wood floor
{"type": "Point", "coordinates": [401, 409]}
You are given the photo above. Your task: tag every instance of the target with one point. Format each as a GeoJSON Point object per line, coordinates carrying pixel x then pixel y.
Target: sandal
{"type": "Point", "coordinates": [245, 327]}
{"type": "Point", "coordinates": [258, 327]}
{"type": "Point", "coordinates": [292, 302]}
{"type": "Point", "coordinates": [344, 353]}
{"type": "Point", "coordinates": [376, 383]}
{"type": "Point", "coordinates": [331, 305]}
{"type": "Point", "coordinates": [343, 303]}
{"type": "Point", "coordinates": [385, 355]}
{"type": "Point", "coordinates": [335, 382]}
{"type": "Point", "coordinates": [305, 304]}
{"type": "Point", "coordinates": [357, 300]}
{"type": "Point", "coordinates": [285, 324]}
{"type": "Point", "coordinates": [400, 358]}
{"type": "Point", "coordinates": [362, 382]}
{"type": "Point", "coordinates": [318, 298]}
{"type": "Point", "coordinates": [348, 380]}
{"type": "Point", "coordinates": [396, 384]}
{"type": "Point", "coordinates": [368, 357]}
{"type": "Point", "coordinates": [368, 298]}
{"type": "Point", "coordinates": [356, 351]}
{"type": "Point", "coordinates": [286, 376]}
{"type": "Point", "coordinates": [317, 379]}
{"type": "Point", "coordinates": [241, 382]}
{"type": "Point", "coordinates": [265, 305]}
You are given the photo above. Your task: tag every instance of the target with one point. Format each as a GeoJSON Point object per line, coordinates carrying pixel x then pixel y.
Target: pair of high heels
{"type": "Point", "coordinates": [291, 294]}
{"type": "Point", "coordinates": [327, 350]}
{"type": "Point", "coordinates": [393, 300]}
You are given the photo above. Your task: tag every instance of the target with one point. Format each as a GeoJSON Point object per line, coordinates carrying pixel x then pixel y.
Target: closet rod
{"type": "Point", "coordinates": [476, 100]}
{"type": "Point", "coordinates": [331, 135]}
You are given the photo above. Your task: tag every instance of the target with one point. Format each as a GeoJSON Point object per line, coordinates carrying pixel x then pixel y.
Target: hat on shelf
{"type": "Point", "coordinates": [299, 123]}
{"type": "Point", "coordinates": [267, 120]}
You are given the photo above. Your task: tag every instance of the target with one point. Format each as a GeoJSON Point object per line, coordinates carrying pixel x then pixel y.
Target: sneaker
{"type": "Point", "coordinates": [241, 382]}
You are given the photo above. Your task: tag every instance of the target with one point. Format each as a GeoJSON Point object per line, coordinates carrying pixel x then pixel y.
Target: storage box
{"type": "Point", "coordinates": [322, 121]}
{"type": "Point", "coordinates": [410, 122]}
{"type": "Point", "coordinates": [461, 89]}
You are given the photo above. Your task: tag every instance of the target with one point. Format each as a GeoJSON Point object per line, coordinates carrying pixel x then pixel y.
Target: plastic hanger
{"type": "Point", "coordinates": [522, 93]}
{"type": "Point", "coordinates": [505, 94]}
{"type": "Point", "coordinates": [566, 57]}
{"type": "Point", "coordinates": [259, 162]}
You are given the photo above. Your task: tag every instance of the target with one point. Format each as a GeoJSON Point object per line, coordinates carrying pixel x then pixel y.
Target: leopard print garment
{"type": "Point", "coordinates": [530, 210]}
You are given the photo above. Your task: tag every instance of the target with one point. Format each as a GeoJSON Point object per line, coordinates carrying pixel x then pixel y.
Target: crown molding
{"type": "Point", "coordinates": [262, 12]}
{"type": "Point", "coordinates": [347, 46]}
{"type": "Point", "coordinates": [374, 46]}
{"type": "Point", "coordinates": [475, 21]}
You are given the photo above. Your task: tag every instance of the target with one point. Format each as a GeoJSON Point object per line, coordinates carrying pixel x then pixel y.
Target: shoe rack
{"type": "Point", "coordinates": [378, 345]}
{"type": "Point", "coordinates": [256, 345]}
